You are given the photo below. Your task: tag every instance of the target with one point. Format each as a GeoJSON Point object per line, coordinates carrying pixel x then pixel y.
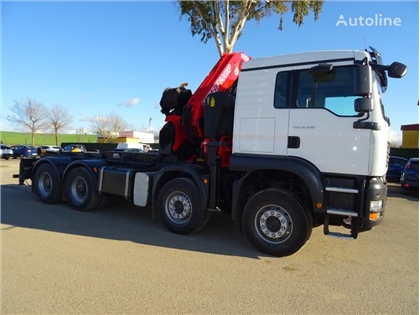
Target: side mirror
{"type": "Point", "coordinates": [362, 80]}
{"type": "Point", "coordinates": [397, 70]}
{"type": "Point", "coordinates": [363, 105]}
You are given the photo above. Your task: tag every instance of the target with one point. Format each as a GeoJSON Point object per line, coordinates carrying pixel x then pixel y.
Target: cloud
{"type": "Point", "coordinates": [395, 138]}
{"type": "Point", "coordinates": [92, 119]}
{"type": "Point", "coordinates": [130, 102]}
{"type": "Point", "coordinates": [86, 119]}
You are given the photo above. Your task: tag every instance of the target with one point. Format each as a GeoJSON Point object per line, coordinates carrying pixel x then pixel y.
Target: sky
{"type": "Point", "coordinates": [95, 58]}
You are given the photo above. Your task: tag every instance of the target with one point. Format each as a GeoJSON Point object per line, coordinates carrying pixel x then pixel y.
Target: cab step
{"type": "Point", "coordinates": [341, 236]}
{"type": "Point", "coordinates": [354, 230]}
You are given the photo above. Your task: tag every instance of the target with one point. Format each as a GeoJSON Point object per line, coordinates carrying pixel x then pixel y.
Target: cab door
{"type": "Point", "coordinates": [321, 122]}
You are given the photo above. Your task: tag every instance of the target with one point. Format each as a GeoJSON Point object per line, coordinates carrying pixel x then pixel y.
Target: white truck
{"type": "Point", "coordinates": [124, 146]}
{"type": "Point", "coordinates": [282, 144]}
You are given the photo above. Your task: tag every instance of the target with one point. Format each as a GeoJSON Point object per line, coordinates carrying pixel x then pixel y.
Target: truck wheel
{"type": "Point", "coordinates": [80, 190]}
{"type": "Point", "coordinates": [203, 222]}
{"type": "Point", "coordinates": [275, 222]}
{"type": "Point", "coordinates": [308, 215]}
{"type": "Point", "coordinates": [47, 184]}
{"type": "Point", "coordinates": [105, 201]}
{"type": "Point", "coordinates": [179, 207]}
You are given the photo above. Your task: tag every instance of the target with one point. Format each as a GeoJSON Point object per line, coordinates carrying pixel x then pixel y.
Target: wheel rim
{"type": "Point", "coordinates": [178, 207]}
{"type": "Point", "coordinates": [273, 224]}
{"type": "Point", "coordinates": [79, 190]}
{"type": "Point", "coordinates": [45, 184]}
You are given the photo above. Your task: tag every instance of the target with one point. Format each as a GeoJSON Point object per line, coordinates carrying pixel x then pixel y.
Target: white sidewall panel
{"type": "Point", "coordinates": [329, 141]}
{"type": "Point", "coordinates": [141, 189]}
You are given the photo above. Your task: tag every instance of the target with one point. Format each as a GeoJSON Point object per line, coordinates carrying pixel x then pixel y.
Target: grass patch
{"type": "Point", "coordinates": [14, 138]}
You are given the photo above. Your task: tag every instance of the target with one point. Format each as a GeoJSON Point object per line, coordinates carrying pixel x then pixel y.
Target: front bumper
{"type": "Point", "coordinates": [376, 194]}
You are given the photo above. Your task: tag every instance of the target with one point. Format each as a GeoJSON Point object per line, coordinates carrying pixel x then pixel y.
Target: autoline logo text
{"type": "Point", "coordinates": [377, 20]}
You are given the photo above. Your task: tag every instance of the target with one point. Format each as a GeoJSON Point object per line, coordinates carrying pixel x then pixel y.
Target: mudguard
{"type": "Point", "coordinates": [90, 165]}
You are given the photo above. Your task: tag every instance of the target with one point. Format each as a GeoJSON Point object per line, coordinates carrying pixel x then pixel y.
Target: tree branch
{"type": "Point", "coordinates": [240, 23]}
{"type": "Point", "coordinates": [227, 18]}
{"type": "Point", "coordinates": [216, 10]}
{"type": "Point", "coordinates": [210, 28]}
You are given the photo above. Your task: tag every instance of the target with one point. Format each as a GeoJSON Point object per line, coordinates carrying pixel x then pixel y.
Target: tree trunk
{"type": "Point", "coordinates": [56, 137]}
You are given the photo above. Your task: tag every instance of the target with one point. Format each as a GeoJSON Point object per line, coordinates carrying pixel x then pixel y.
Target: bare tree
{"type": "Point", "coordinates": [224, 20]}
{"type": "Point", "coordinates": [117, 123]}
{"type": "Point", "coordinates": [30, 115]}
{"type": "Point", "coordinates": [99, 126]}
{"type": "Point", "coordinates": [81, 134]}
{"type": "Point", "coordinates": [108, 127]}
{"type": "Point", "coordinates": [59, 118]}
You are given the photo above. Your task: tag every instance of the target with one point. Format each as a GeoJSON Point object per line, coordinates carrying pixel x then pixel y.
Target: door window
{"type": "Point", "coordinates": [335, 93]}
{"type": "Point", "coordinates": [280, 93]}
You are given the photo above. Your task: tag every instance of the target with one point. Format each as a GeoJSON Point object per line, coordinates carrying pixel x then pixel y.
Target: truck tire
{"type": "Point", "coordinates": [106, 200]}
{"type": "Point", "coordinates": [275, 222]}
{"type": "Point", "coordinates": [203, 222]}
{"type": "Point", "coordinates": [47, 184]}
{"type": "Point", "coordinates": [80, 190]}
{"type": "Point", "coordinates": [179, 207]}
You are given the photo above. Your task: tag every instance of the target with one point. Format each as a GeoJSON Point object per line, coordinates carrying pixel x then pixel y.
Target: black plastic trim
{"type": "Point", "coordinates": [293, 142]}
{"type": "Point", "coordinates": [377, 190]}
{"type": "Point", "coordinates": [298, 64]}
{"type": "Point", "coordinates": [366, 125]}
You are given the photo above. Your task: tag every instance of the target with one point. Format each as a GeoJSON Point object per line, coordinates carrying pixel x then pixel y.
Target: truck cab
{"type": "Point", "coordinates": [314, 123]}
{"type": "Point", "coordinates": [283, 108]}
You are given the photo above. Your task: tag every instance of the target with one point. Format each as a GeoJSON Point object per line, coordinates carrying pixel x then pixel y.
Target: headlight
{"type": "Point", "coordinates": [376, 206]}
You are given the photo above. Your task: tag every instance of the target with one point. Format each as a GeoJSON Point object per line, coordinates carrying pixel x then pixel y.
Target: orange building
{"type": "Point", "coordinates": [129, 137]}
{"type": "Point", "coordinates": [410, 136]}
